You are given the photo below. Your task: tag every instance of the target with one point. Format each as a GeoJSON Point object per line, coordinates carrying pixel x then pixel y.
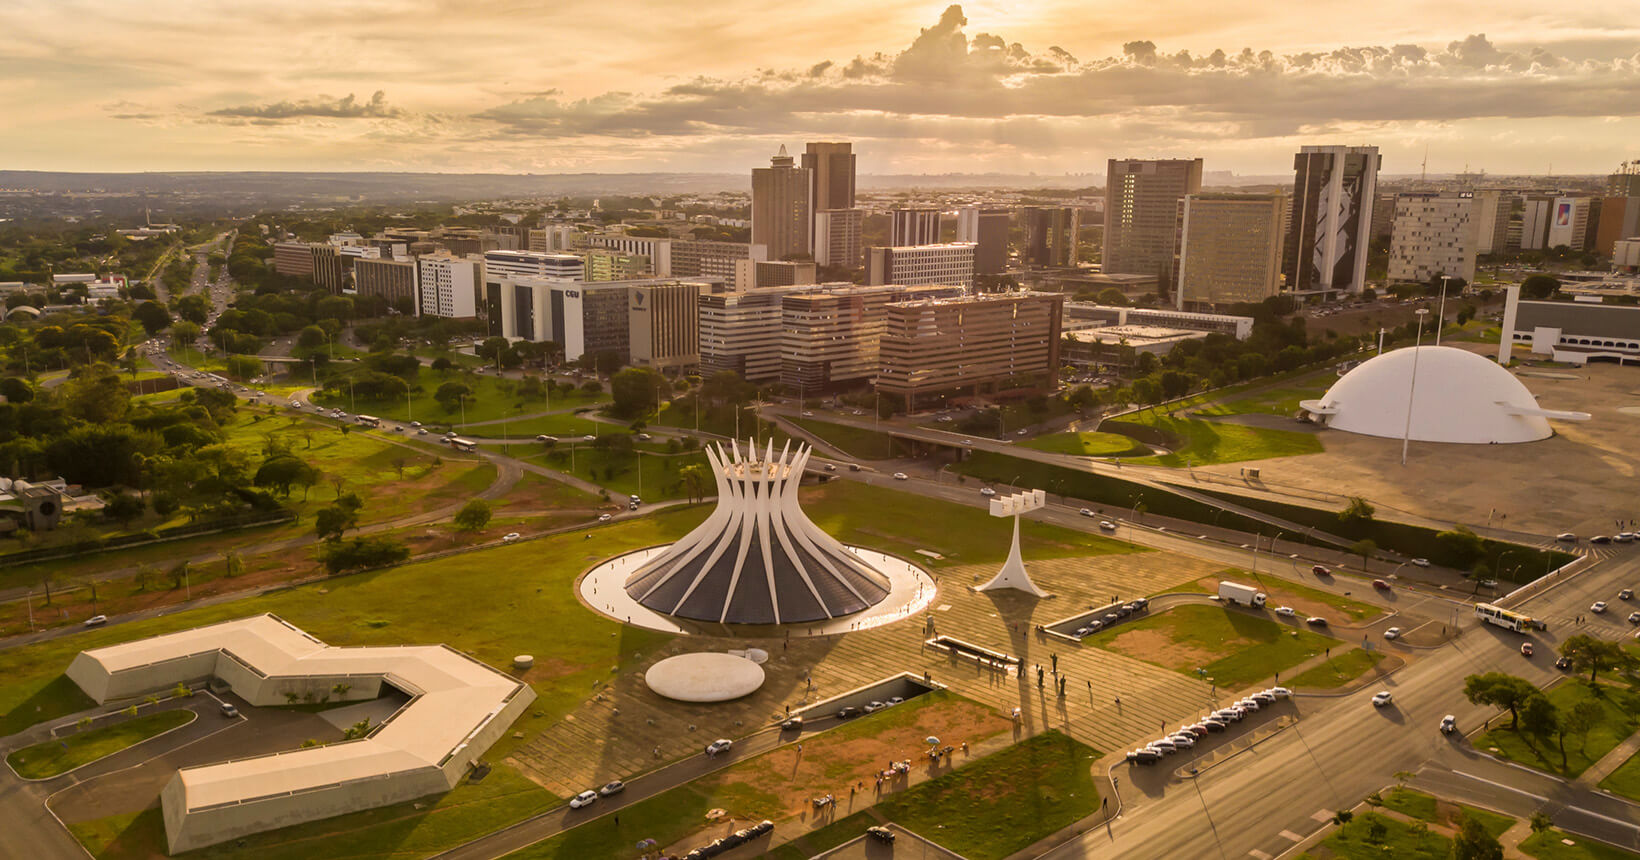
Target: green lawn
{"type": "Point", "coordinates": [1417, 804]}
{"type": "Point", "coordinates": [1278, 587]}
{"type": "Point", "coordinates": [1354, 841]}
{"type": "Point", "coordinates": [1201, 636]}
{"type": "Point", "coordinates": [1277, 400]}
{"type": "Point", "coordinates": [1199, 442]}
{"type": "Point", "coordinates": [563, 425]}
{"type": "Point", "coordinates": [1337, 671]}
{"type": "Point", "coordinates": [856, 442]}
{"type": "Point", "coordinates": [1005, 801]}
{"type": "Point", "coordinates": [64, 754]}
{"type": "Point", "coordinates": [1088, 444]}
{"type": "Point", "coordinates": [720, 421]}
{"type": "Point", "coordinates": [1625, 780]}
{"type": "Point", "coordinates": [1620, 716]}
{"type": "Point", "coordinates": [1551, 845]}
{"type": "Point", "coordinates": [492, 399]}
{"type": "Point", "coordinates": [619, 472]}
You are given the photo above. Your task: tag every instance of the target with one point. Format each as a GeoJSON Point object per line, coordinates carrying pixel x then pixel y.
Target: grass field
{"type": "Point", "coordinates": [856, 442]}
{"type": "Point", "coordinates": [1199, 442]}
{"type": "Point", "coordinates": [492, 399]}
{"type": "Point", "coordinates": [1235, 648]}
{"type": "Point", "coordinates": [1625, 780]}
{"type": "Point", "coordinates": [1354, 841]}
{"type": "Point", "coordinates": [1620, 716]}
{"type": "Point", "coordinates": [1278, 400]}
{"type": "Point", "coordinates": [1005, 801]}
{"type": "Point", "coordinates": [1088, 444]}
{"type": "Point", "coordinates": [563, 425]}
{"type": "Point", "coordinates": [1337, 671]}
{"type": "Point", "coordinates": [619, 472]}
{"type": "Point", "coordinates": [1417, 804]}
{"type": "Point", "coordinates": [64, 754]}
{"type": "Point", "coordinates": [1283, 591]}
{"type": "Point", "coordinates": [1551, 845]}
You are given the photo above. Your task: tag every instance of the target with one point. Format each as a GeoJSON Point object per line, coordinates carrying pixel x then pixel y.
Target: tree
{"type": "Point", "coordinates": [636, 390]}
{"type": "Point", "coordinates": [329, 523]}
{"type": "Point", "coordinates": [312, 337]}
{"type": "Point", "coordinates": [360, 553]}
{"type": "Point", "coordinates": [123, 507]}
{"type": "Point", "coordinates": [16, 389]}
{"type": "Point", "coordinates": [473, 516]}
{"type": "Point", "coordinates": [451, 395]}
{"type": "Point", "coordinates": [1463, 546]}
{"type": "Point", "coordinates": [1112, 297]}
{"type": "Point", "coordinates": [185, 333]}
{"type": "Point", "coordinates": [694, 480]}
{"type": "Point", "coordinates": [1358, 510]}
{"type": "Point", "coordinates": [152, 316]}
{"type": "Point", "coordinates": [1538, 716]}
{"type": "Point", "coordinates": [1500, 690]}
{"type": "Point", "coordinates": [283, 471]}
{"type": "Point", "coordinates": [1474, 842]}
{"type": "Point", "coordinates": [1541, 821]}
{"type": "Point", "coordinates": [1595, 655]}
{"type": "Point", "coordinates": [1364, 548]}
{"type": "Point", "coordinates": [1539, 287]}
{"type": "Point", "coordinates": [1583, 717]}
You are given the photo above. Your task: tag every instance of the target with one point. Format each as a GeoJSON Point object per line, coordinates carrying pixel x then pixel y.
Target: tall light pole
{"type": "Point", "coordinates": [1440, 321]}
{"type": "Point", "coordinates": [1412, 387]}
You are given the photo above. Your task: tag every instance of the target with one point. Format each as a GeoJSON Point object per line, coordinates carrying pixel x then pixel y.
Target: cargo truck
{"type": "Point", "coordinates": [1245, 595]}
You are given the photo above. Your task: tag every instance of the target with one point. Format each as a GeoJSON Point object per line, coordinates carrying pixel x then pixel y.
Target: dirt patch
{"type": "Point", "coordinates": [835, 764]}
{"type": "Point", "coordinates": [1159, 647]}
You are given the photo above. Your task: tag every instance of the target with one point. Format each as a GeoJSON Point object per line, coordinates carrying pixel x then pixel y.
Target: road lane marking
{"type": "Point", "coordinates": [1261, 855]}
{"type": "Point", "coordinates": [1322, 815]}
{"type": "Point", "coordinates": [1538, 797]}
{"type": "Point", "coordinates": [1291, 836]}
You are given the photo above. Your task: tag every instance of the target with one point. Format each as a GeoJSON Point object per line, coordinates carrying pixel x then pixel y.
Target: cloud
{"type": "Point", "coordinates": [346, 107]}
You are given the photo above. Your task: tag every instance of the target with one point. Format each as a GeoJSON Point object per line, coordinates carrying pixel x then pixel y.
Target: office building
{"type": "Point", "coordinates": [448, 286]}
{"type": "Point", "coordinates": [1084, 315]}
{"type": "Point", "coordinates": [1050, 236]}
{"type": "Point", "coordinates": [781, 210]}
{"type": "Point", "coordinates": [950, 264]}
{"type": "Point", "coordinates": [700, 259]}
{"type": "Point", "coordinates": [1326, 248]}
{"type": "Point", "coordinates": [741, 331]}
{"type": "Point", "coordinates": [972, 345]}
{"type": "Point", "coordinates": [830, 336]}
{"type": "Point", "coordinates": [1142, 198]}
{"type": "Point", "coordinates": [603, 264]}
{"type": "Point", "coordinates": [293, 259]}
{"type": "Point", "coordinates": [910, 227]}
{"type": "Point", "coordinates": [556, 237]}
{"type": "Point", "coordinates": [1619, 219]}
{"type": "Point", "coordinates": [1492, 211]}
{"type": "Point", "coordinates": [1383, 217]}
{"type": "Point", "coordinates": [988, 230]}
{"type": "Point", "coordinates": [1229, 249]}
{"type": "Point", "coordinates": [1626, 255]}
{"type": "Point", "coordinates": [658, 250]}
{"type": "Point", "coordinates": [1435, 235]}
{"type": "Point", "coordinates": [1572, 332]}
{"type": "Point", "coordinates": [393, 280]}
{"type": "Point", "coordinates": [1535, 216]}
{"type": "Point", "coordinates": [758, 274]}
{"type": "Point", "coordinates": [1569, 222]}
{"type": "Point", "coordinates": [831, 172]}
{"type": "Point", "coordinates": [664, 326]}
{"type": "Point", "coordinates": [837, 237]}
{"type": "Point", "coordinates": [500, 265]}
{"type": "Point", "coordinates": [1626, 181]}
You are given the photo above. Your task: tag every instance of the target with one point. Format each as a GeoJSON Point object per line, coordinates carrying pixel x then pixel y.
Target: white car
{"type": "Point", "coordinates": [1085, 512]}
{"type": "Point", "coordinates": [1392, 633]}
{"type": "Point", "coordinates": [987, 491]}
{"type": "Point", "coordinates": [589, 438]}
{"type": "Point", "coordinates": [604, 518]}
{"type": "Point", "coordinates": [1280, 692]}
{"type": "Point", "coordinates": [1183, 740]}
{"type": "Point", "coordinates": [1107, 525]}
{"type": "Point", "coordinates": [1449, 724]}
{"type": "Point", "coordinates": [1420, 562]}
{"type": "Point", "coordinates": [1286, 611]}
{"type": "Point", "coordinates": [901, 476]}
{"type": "Point", "coordinates": [610, 788]}
{"type": "Point", "coordinates": [718, 746]}
{"type": "Point", "coordinates": [509, 537]}
{"type": "Point", "coordinates": [96, 621]}
{"type": "Point", "coordinates": [584, 799]}
{"type": "Point", "coordinates": [1382, 698]}
{"type": "Point", "coordinates": [1598, 606]}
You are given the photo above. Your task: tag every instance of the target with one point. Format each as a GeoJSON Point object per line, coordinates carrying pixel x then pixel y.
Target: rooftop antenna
{"type": "Point", "coordinates": [1423, 169]}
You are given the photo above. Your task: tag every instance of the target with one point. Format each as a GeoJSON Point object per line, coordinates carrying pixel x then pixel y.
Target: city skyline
{"type": "Point", "coordinates": [1047, 87]}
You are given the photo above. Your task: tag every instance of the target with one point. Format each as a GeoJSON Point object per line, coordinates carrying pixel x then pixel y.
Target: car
{"type": "Point", "coordinates": [901, 476]}
{"type": "Point", "coordinates": [874, 706]}
{"type": "Point", "coordinates": [847, 713]}
{"type": "Point", "coordinates": [1111, 618]}
{"type": "Point", "coordinates": [1392, 633]}
{"type": "Point", "coordinates": [1525, 649]}
{"type": "Point", "coordinates": [1280, 692]}
{"type": "Point", "coordinates": [831, 467]}
{"type": "Point", "coordinates": [1107, 525]}
{"type": "Point", "coordinates": [509, 537]}
{"type": "Point", "coordinates": [1286, 611]}
{"type": "Point", "coordinates": [896, 700]}
{"type": "Point", "coordinates": [987, 492]}
{"type": "Point", "coordinates": [1164, 746]}
{"type": "Point", "coordinates": [1600, 539]}
{"type": "Point", "coordinates": [1194, 730]}
{"type": "Point", "coordinates": [228, 709]}
{"type": "Point", "coordinates": [1382, 698]}
{"type": "Point", "coordinates": [1634, 617]}
{"type": "Point", "coordinates": [807, 414]}
{"type": "Point", "coordinates": [1623, 537]}
{"type": "Point", "coordinates": [1320, 570]}
{"type": "Point", "coordinates": [1232, 714]}
{"type": "Point", "coordinates": [1214, 724]}
{"type": "Point", "coordinates": [450, 435]}
{"type": "Point", "coordinates": [1140, 603]}
{"type": "Point", "coordinates": [421, 431]}
{"type": "Point", "coordinates": [1085, 512]}
{"type": "Point", "coordinates": [589, 438]}
{"type": "Point", "coordinates": [1316, 621]}
{"type": "Point", "coordinates": [880, 833]}
{"type": "Point", "coordinates": [1449, 724]}
{"type": "Point", "coordinates": [1249, 703]}
{"type": "Point", "coordinates": [1566, 537]}
{"type": "Point", "coordinates": [1626, 594]}
{"type": "Point", "coordinates": [96, 621]}
{"type": "Point", "coordinates": [1563, 663]}
{"type": "Point", "coordinates": [1143, 756]}
{"type": "Point", "coordinates": [584, 799]}
{"type": "Point", "coordinates": [1124, 611]}
{"type": "Point", "coordinates": [1380, 584]}
{"type": "Point", "coordinates": [644, 437]}
{"type": "Point", "coordinates": [545, 438]}
{"type": "Point", "coordinates": [1182, 740]}
{"type": "Point", "coordinates": [1598, 606]}
{"type": "Point", "coordinates": [792, 724]}
{"type": "Point", "coordinates": [721, 745]}
{"type": "Point", "coordinates": [604, 518]}
{"type": "Point", "coordinates": [854, 467]}
{"type": "Point", "coordinates": [968, 442]}
{"type": "Point", "coordinates": [416, 424]}
{"type": "Point", "coordinates": [610, 788]}
{"type": "Point", "coordinates": [1264, 698]}
{"type": "Point", "coordinates": [1083, 631]}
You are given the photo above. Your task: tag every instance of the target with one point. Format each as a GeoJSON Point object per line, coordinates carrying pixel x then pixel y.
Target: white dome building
{"type": "Point", "coordinates": [1456, 396]}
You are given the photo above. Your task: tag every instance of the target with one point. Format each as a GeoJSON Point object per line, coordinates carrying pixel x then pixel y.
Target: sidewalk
{"type": "Point", "coordinates": [1610, 761]}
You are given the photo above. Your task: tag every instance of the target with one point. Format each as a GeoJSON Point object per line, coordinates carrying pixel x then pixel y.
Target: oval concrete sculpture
{"type": "Point", "coordinates": [704, 677]}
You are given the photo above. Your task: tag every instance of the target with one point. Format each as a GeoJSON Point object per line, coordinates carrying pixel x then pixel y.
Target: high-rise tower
{"type": "Point", "coordinates": [781, 210]}
{"type": "Point", "coordinates": [1331, 231]}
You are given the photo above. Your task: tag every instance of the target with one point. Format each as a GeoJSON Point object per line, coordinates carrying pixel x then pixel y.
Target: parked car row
{"type": "Point", "coordinates": [733, 840]}
{"type": "Point", "coordinates": [1216, 722]}
{"type": "Point", "coordinates": [1112, 617]}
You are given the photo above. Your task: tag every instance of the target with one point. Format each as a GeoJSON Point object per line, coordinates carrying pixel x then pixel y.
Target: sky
{"type": "Point", "coordinates": [1050, 87]}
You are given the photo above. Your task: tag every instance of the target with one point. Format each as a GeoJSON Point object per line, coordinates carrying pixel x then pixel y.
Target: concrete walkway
{"type": "Point", "coordinates": [1610, 761]}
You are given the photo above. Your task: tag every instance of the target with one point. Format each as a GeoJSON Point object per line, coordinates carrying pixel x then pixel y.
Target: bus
{"type": "Point", "coordinates": [461, 444]}
{"type": "Point", "coordinates": [1515, 621]}
{"type": "Point", "coordinates": [370, 420]}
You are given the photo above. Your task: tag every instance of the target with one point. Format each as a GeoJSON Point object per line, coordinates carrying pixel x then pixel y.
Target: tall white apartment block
{"type": "Point", "coordinates": [951, 263]}
{"type": "Point", "coordinates": [448, 286]}
{"type": "Point", "coordinates": [1434, 235]}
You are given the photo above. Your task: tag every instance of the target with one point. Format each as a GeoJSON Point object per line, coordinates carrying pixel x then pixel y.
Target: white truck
{"type": "Point", "coordinates": [1235, 592]}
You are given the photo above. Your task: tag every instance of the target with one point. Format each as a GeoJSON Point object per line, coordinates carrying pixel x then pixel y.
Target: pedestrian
{"type": "Point", "coordinates": [1055, 658]}
{"type": "Point", "coordinates": [617, 821]}
{"type": "Point", "coordinates": [1118, 701]}
{"type": "Point", "coordinates": [1090, 686]}
{"type": "Point", "coordinates": [799, 749]}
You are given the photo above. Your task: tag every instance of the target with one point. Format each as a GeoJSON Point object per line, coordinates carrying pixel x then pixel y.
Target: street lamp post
{"type": "Point", "coordinates": [1412, 387]}
{"type": "Point", "coordinates": [1440, 321]}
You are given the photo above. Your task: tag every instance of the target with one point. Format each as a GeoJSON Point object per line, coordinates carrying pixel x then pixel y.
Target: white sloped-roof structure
{"type": "Point", "coordinates": [458, 708]}
{"type": "Point", "coordinates": [1457, 396]}
{"type": "Point", "coordinates": [758, 559]}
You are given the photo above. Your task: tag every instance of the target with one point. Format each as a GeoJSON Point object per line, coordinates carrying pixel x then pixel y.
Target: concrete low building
{"type": "Point", "coordinates": [1575, 332]}
{"type": "Point", "coordinates": [458, 707]}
